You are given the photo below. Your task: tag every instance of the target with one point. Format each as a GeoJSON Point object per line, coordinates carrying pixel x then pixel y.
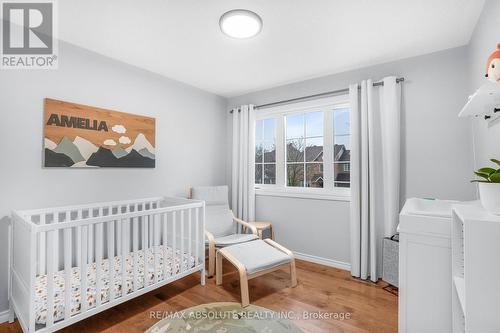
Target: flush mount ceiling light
{"type": "Point", "coordinates": [240, 23]}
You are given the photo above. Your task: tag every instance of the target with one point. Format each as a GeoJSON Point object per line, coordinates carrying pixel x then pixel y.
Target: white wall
{"type": "Point", "coordinates": [436, 148]}
{"type": "Point", "coordinates": [190, 131]}
{"type": "Point", "coordinates": [484, 40]}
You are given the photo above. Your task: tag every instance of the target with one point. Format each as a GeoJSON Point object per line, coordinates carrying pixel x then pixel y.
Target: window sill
{"type": "Point", "coordinates": [316, 194]}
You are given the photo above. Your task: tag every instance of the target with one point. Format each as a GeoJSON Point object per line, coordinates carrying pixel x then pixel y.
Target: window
{"type": "Point", "coordinates": [265, 151]}
{"type": "Point", "coordinates": [304, 148]}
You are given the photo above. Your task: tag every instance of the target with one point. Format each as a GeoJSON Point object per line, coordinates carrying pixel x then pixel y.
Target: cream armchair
{"type": "Point", "coordinates": [221, 226]}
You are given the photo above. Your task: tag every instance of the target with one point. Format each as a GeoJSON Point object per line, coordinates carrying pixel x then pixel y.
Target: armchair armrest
{"type": "Point", "coordinates": [246, 225]}
{"type": "Point", "coordinates": [210, 238]}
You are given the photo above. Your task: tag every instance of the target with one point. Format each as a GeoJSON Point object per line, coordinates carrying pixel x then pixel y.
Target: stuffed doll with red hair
{"type": "Point", "coordinates": [493, 66]}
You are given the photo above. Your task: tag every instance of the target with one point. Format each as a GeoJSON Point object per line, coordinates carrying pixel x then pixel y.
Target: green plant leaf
{"type": "Point", "coordinates": [482, 175]}
{"type": "Point", "coordinates": [487, 171]}
{"type": "Point", "coordinates": [497, 162]}
{"type": "Point", "coordinates": [495, 178]}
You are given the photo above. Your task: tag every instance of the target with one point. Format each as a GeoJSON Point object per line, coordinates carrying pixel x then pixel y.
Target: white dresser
{"type": "Point", "coordinates": [425, 266]}
{"type": "Point", "coordinates": [475, 270]}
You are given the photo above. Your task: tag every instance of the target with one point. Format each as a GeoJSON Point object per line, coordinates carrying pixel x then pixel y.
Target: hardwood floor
{"type": "Point", "coordinates": [320, 289]}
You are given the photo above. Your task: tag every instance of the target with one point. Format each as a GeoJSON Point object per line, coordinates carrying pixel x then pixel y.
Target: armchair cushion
{"type": "Point", "coordinates": [219, 221]}
{"type": "Point", "coordinates": [212, 195]}
{"type": "Point", "coordinates": [234, 239]}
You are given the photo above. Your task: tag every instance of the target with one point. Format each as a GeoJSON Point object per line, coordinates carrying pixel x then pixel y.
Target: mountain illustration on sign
{"type": "Point", "coordinates": [83, 153]}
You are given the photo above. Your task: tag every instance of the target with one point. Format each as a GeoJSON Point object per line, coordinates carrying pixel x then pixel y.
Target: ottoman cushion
{"type": "Point", "coordinates": [257, 255]}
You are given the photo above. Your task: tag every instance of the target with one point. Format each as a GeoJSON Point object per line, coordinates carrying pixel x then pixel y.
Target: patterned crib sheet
{"type": "Point", "coordinates": [173, 267]}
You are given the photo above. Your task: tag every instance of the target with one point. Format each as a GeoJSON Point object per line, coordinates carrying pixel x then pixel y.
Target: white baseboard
{"type": "Point", "coordinates": [4, 316]}
{"type": "Point", "coordinates": [323, 261]}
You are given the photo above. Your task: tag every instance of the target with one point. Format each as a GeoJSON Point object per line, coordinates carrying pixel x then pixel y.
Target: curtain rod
{"type": "Point", "coordinates": [328, 93]}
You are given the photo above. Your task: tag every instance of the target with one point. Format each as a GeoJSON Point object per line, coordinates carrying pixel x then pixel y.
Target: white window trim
{"type": "Point", "coordinates": [338, 194]}
{"type": "Point", "coordinates": [329, 192]}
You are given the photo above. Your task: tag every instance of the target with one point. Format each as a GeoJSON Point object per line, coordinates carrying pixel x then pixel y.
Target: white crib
{"type": "Point", "coordinates": [161, 239]}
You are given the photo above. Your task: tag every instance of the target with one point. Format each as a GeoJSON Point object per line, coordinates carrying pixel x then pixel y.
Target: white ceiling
{"type": "Point", "coordinates": [300, 39]}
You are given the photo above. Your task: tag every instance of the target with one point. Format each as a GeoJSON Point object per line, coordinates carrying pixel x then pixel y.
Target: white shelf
{"type": "Point", "coordinates": [483, 101]}
{"type": "Point", "coordinates": [475, 249]}
{"type": "Point", "coordinates": [459, 283]}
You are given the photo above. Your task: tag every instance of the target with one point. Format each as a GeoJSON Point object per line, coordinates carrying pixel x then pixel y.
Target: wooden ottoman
{"type": "Point", "coordinates": [255, 258]}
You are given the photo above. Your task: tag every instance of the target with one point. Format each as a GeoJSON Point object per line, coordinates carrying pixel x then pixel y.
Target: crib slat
{"type": "Point", "coordinates": [165, 248]}
{"type": "Point", "coordinates": [135, 249]}
{"type": "Point", "coordinates": [126, 243]}
{"type": "Point", "coordinates": [190, 237]}
{"type": "Point", "coordinates": [67, 273]}
{"type": "Point", "coordinates": [155, 257]}
{"type": "Point", "coordinates": [181, 256]}
{"type": "Point", "coordinates": [83, 270]}
{"type": "Point", "coordinates": [79, 240]}
{"type": "Point", "coordinates": [98, 262]}
{"type": "Point", "coordinates": [151, 223]}
{"type": "Point", "coordinates": [197, 234]}
{"type": "Point", "coordinates": [90, 248]}
{"type": "Point", "coordinates": [146, 225]}
{"type": "Point", "coordinates": [146, 249]}
{"type": "Point", "coordinates": [51, 262]}
{"type": "Point", "coordinates": [119, 237]}
{"type": "Point", "coordinates": [42, 247]}
{"type": "Point", "coordinates": [123, 257]}
{"type": "Point", "coordinates": [56, 238]}
{"type": "Point", "coordinates": [111, 259]}
{"type": "Point", "coordinates": [143, 242]}
{"type": "Point", "coordinates": [174, 241]}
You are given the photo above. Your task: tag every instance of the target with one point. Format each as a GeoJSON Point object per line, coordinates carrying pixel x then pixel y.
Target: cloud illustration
{"type": "Point", "coordinates": [124, 140]}
{"type": "Point", "coordinates": [110, 142]}
{"type": "Point", "coordinates": [119, 129]}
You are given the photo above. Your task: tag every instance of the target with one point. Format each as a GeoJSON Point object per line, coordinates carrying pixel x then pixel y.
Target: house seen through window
{"type": "Point", "coordinates": [265, 151]}
{"type": "Point", "coordinates": [304, 150]}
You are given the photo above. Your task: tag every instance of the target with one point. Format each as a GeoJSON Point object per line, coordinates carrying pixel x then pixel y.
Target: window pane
{"type": "Point", "coordinates": [295, 175]}
{"type": "Point", "coordinates": [269, 129]}
{"type": "Point", "coordinates": [341, 122]}
{"type": "Point", "coordinates": [269, 173]}
{"type": "Point", "coordinates": [342, 174]}
{"type": "Point", "coordinates": [295, 126]}
{"type": "Point", "coordinates": [269, 152]}
{"type": "Point", "coordinates": [314, 124]}
{"type": "Point", "coordinates": [258, 152]}
{"type": "Point", "coordinates": [343, 140]}
{"type": "Point", "coordinates": [295, 150]}
{"type": "Point", "coordinates": [259, 130]}
{"type": "Point", "coordinates": [314, 175]}
{"type": "Point", "coordinates": [341, 153]}
{"type": "Point", "coordinates": [258, 173]}
{"type": "Point", "coordinates": [314, 150]}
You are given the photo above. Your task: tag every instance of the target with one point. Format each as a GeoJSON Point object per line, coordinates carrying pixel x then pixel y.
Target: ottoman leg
{"type": "Point", "coordinates": [218, 268]}
{"type": "Point", "coordinates": [211, 260]}
{"type": "Point", "coordinates": [293, 273]}
{"type": "Point", "coordinates": [245, 300]}
{"type": "Point", "coordinates": [242, 271]}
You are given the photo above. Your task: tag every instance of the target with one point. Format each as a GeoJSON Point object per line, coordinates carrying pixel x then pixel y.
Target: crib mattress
{"type": "Point", "coordinates": [173, 267]}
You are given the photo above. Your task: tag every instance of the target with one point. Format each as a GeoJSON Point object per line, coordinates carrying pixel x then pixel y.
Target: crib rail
{"type": "Point", "coordinates": [95, 205]}
{"type": "Point", "coordinates": [109, 252]}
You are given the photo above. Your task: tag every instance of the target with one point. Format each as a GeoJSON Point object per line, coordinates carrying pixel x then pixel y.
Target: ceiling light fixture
{"type": "Point", "coordinates": [240, 23]}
